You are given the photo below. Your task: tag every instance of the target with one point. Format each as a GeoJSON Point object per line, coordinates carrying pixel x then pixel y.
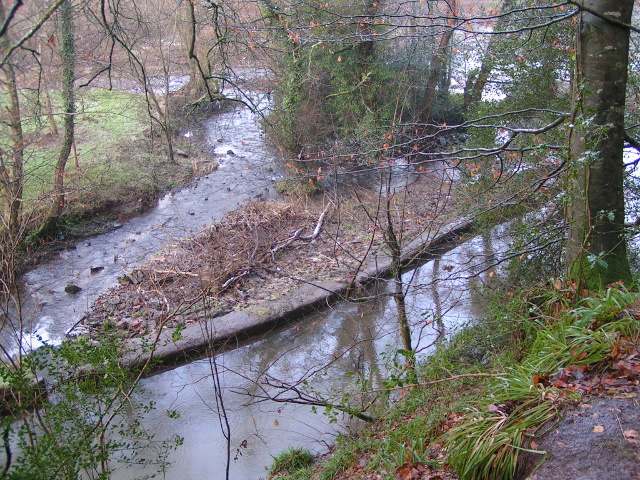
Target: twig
{"type": "Point", "coordinates": [178, 272]}
{"type": "Point", "coordinates": [318, 228]}
{"type": "Point", "coordinates": [434, 382]}
{"type": "Point", "coordinates": [226, 284]}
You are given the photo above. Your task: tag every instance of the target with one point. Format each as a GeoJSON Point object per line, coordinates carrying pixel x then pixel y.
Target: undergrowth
{"type": "Point", "coordinates": [477, 427]}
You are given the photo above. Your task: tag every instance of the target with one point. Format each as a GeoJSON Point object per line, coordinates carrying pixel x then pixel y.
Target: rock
{"type": "Point", "coordinates": [124, 323]}
{"type": "Point", "coordinates": [231, 153]}
{"type": "Point", "coordinates": [136, 276]}
{"type": "Point", "coordinates": [181, 153]}
{"type": "Point", "coordinates": [72, 288]}
{"type": "Point", "coordinates": [95, 270]}
{"type": "Point", "coordinates": [116, 226]}
{"type": "Point", "coordinates": [112, 301]}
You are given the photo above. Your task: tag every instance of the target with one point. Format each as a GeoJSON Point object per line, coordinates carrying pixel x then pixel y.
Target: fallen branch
{"type": "Point", "coordinates": [296, 234]}
{"type": "Point", "coordinates": [226, 284]}
{"type": "Point", "coordinates": [434, 382]}
{"type": "Point", "coordinates": [177, 272]}
{"type": "Point", "coordinates": [318, 228]}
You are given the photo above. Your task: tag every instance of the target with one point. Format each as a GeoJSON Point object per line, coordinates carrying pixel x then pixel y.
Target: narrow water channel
{"type": "Point", "coordinates": [247, 170]}
{"type": "Point", "coordinates": [323, 348]}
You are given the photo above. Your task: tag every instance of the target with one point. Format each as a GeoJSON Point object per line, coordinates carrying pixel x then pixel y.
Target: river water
{"type": "Point", "coordinates": [324, 349]}
{"type": "Point", "coordinates": [248, 170]}
{"type": "Point", "coordinates": [359, 338]}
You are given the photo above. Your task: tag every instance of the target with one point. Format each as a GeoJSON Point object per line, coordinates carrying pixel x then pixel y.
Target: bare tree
{"type": "Point", "coordinates": [11, 161]}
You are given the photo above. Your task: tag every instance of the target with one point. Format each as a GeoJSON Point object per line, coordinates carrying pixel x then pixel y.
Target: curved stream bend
{"type": "Point", "coordinates": [247, 170]}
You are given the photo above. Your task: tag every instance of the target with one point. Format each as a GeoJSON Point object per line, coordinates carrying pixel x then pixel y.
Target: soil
{"type": "Point", "coordinates": [599, 439]}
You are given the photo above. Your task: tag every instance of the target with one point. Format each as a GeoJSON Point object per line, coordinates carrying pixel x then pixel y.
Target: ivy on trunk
{"type": "Point", "coordinates": [596, 253]}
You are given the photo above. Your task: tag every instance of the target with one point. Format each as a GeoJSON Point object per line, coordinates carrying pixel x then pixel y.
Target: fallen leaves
{"type": "Point", "coordinates": [631, 436]}
{"type": "Point", "coordinates": [617, 374]}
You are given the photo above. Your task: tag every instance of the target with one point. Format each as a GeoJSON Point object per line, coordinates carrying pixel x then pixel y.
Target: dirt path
{"type": "Point", "coordinates": [598, 440]}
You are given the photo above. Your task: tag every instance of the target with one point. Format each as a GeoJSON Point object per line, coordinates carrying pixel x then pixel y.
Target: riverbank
{"type": "Point", "coordinates": [121, 172]}
{"type": "Point", "coordinates": [504, 417]}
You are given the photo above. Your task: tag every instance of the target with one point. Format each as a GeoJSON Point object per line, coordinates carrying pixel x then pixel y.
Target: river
{"type": "Point", "coordinates": [324, 349]}
{"type": "Point", "coordinates": [359, 338]}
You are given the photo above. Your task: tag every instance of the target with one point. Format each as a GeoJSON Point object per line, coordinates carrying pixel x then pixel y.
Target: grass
{"type": "Point", "coordinates": [488, 443]}
{"type": "Point", "coordinates": [120, 163]}
{"type": "Point", "coordinates": [292, 464]}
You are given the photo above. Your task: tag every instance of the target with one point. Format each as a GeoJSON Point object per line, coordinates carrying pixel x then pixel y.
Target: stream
{"type": "Point", "coordinates": [323, 348]}
{"type": "Point", "coordinates": [247, 170]}
{"type": "Point", "coordinates": [360, 338]}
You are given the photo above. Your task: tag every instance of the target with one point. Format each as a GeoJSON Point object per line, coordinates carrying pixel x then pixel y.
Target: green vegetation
{"type": "Point", "coordinates": [298, 186]}
{"type": "Point", "coordinates": [84, 425]}
{"type": "Point", "coordinates": [121, 165]}
{"type": "Point", "coordinates": [292, 464]}
{"type": "Point", "coordinates": [485, 395]}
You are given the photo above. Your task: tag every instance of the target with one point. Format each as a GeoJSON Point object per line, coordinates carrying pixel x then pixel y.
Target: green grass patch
{"type": "Point", "coordinates": [122, 166]}
{"type": "Point", "coordinates": [498, 428]}
{"type": "Point", "coordinates": [292, 464]}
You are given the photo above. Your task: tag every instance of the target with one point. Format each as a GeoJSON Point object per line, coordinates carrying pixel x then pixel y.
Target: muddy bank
{"type": "Point", "coordinates": [598, 439]}
{"type": "Point", "coordinates": [172, 346]}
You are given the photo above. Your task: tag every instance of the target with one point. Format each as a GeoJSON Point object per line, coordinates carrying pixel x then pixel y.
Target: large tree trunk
{"type": "Point", "coordinates": [596, 253]}
{"type": "Point", "coordinates": [67, 56]}
{"type": "Point", "coordinates": [437, 64]}
{"type": "Point", "coordinates": [12, 174]}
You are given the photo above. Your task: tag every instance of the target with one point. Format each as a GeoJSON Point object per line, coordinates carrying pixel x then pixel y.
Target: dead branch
{"type": "Point", "coordinates": [433, 382]}
{"type": "Point", "coordinates": [316, 231]}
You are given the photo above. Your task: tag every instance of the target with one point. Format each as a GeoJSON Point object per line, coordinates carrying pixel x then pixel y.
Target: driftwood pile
{"type": "Point", "coordinates": [210, 269]}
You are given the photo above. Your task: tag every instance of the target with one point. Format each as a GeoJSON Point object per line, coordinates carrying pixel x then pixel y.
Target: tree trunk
{"type": "Point", "coordinates": [48, 106]}
{"type": "Point", "coordinates": [12, 175]}
{"type": "Point", "coordinates": [67, 56]}
{"type": "Point", "coordinates": [394, 245]}
{"type": "Point", "coordinates": [438, 62]}
{"type": "Point", "coordinates": [596, 253]}
{"type": "Point", "coordinates": [478, 80]}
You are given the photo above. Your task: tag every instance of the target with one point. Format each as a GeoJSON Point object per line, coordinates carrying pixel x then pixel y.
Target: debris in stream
{"type": "Point", "coordinates": [258, 253]}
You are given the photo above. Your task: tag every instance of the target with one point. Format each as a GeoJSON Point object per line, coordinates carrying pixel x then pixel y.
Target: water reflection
{"type": "Point", "coordinates": [316, 354]}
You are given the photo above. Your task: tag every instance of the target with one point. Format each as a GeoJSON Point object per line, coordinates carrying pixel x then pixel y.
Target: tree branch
{"type": "Point", "coordinates": [611, 20]}
{"type": "Point", "coordinates": [9, 18]}
{"type": "Point", "coordinates": [31, 32]}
